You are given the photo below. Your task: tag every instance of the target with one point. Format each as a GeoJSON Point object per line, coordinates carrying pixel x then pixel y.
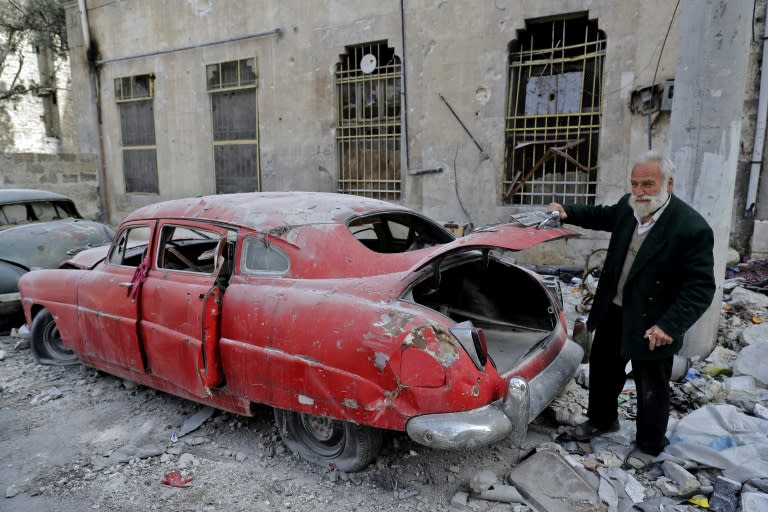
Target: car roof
{"type": "Point", "coordinates": [258, 210]}
{"type": "Point", "coordinates": [25, 195]}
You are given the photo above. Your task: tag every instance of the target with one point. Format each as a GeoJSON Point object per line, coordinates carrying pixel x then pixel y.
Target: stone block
{"type": "Point", "coordinates": [760, 239]}
{"type": "Point", "coordinates": [725, 497]}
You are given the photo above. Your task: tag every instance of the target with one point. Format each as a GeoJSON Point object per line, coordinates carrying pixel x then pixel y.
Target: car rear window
{"type": "Point", "coordinates": [36, 211]}
{"type": "Point", "coordinates": [394, 232]}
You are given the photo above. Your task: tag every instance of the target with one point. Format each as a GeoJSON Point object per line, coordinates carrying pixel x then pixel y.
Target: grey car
{"type": "Point", "coordinates": [38, 229]}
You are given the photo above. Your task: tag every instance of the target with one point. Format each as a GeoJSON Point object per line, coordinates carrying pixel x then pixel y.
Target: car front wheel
{"type": "Point", "coordinates": [328, 442]}
{"type": "Point", "coordinates": [47, 347]}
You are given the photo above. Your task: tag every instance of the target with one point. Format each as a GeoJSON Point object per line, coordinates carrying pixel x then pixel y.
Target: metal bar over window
{"type": "Point", "coordinates": [368, 84]}
{"type": "Point", "coordinates": [554, 112]}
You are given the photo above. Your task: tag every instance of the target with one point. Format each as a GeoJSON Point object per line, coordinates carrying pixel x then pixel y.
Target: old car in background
{"type": "Point", "coordinates": [347, 315]}
{"type": "Point", "coordinates": [38, 229]}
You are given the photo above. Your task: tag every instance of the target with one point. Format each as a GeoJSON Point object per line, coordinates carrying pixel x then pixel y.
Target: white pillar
{"type": "Point", "coordinates": [705, 128]}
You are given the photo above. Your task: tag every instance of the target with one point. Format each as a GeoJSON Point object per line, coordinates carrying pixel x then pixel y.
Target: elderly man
{"type": "Point", "coordinates": [657, 280]}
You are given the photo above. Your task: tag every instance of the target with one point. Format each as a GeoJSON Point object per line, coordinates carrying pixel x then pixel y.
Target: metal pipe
{"type": "Point", "coordinates": [759, 144]}
{"type": "Point", "coordinates": [405, 88]}
{"type": "Point", "coordinates": [276, 31]}
{"type": "Point", "coordinates": [93, 79]}
{"type": "Point", "coordinates": [84, 25]}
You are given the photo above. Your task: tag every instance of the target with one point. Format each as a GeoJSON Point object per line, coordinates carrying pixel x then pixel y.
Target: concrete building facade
{"type": "Point", "coordinates": [467, 111]}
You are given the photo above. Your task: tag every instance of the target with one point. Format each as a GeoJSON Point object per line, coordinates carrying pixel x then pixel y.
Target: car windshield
{"type": "Point", "coordinates": [37, 211]}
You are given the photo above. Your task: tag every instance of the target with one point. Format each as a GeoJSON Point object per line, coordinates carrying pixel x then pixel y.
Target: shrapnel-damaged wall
{"type": "Point", "coordinates": [75, 176]}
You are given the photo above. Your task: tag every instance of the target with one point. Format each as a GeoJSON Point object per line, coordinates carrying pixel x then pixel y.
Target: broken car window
{"type": "Point", "coordinates": [263, 257]}
{"type": "Point", "coordinates": [130, 246]}
{"type": "Point", "coordinates": [394, 232]}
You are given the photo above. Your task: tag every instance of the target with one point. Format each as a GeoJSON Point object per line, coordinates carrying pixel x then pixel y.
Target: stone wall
{"type": "Point", "coordinates": [76, 176]}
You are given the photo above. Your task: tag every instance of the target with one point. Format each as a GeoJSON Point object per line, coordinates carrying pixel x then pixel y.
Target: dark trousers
{"type": "Point", "coordinates": [607, 378]}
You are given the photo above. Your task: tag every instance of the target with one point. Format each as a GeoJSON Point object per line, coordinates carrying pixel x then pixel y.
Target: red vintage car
{"type": "Point", "coordinates": [347, 315]}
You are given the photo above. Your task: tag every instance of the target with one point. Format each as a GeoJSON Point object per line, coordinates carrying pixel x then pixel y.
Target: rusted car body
{"type": "Point", "coordinates": [347, 315]}
{"type": "Point", "coordinates": [39, 229]}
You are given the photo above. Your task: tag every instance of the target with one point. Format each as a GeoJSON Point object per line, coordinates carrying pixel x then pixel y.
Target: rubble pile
{"type": "Point", "coordinates": [718, 431]}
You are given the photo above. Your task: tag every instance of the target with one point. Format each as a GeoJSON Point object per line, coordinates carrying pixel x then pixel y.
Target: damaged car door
{"type": "Point", "coordinates": [182, 297]}
{"type": "Point", "coordinates": [108, 303]}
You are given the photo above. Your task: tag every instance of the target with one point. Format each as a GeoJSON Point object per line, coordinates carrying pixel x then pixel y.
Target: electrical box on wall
{"type": "Point", "coordinates": [652, 98]}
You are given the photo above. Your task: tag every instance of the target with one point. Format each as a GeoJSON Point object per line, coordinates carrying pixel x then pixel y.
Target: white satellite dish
{"type": "Point", "coordinates": [368, 63]}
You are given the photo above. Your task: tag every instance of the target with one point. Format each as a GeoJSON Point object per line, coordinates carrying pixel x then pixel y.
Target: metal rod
{"type": "Point", "coordinates": [460, 122]}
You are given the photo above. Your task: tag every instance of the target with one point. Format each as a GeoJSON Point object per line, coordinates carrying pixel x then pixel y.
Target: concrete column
{"type": "Point", "coordinates": [705, 128]}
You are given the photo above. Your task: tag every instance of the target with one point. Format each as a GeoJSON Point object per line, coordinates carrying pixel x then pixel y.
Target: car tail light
{"type": "Point", "coordinates": [472, 340]}
{"type": "Point", "coordinates": [478, 339]}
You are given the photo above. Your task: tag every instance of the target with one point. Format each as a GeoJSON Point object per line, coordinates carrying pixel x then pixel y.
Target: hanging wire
{"type": "Point", "coordinates": [658, 62]}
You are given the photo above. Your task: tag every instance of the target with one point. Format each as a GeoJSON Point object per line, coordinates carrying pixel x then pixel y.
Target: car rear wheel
{"type": "Point", "coordinates": [47, 347]}
{"type": "Point", "coordinates": [346, 446]}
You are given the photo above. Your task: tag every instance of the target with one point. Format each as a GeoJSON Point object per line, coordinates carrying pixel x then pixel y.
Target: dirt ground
{"type": "Point", "coordinates": [63, 431]}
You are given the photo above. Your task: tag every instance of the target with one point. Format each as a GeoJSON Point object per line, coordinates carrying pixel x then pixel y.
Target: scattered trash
{"type": "Point", "coordinates": [195, 421]}
{"type": "Point", "coordinates": [176, 479]}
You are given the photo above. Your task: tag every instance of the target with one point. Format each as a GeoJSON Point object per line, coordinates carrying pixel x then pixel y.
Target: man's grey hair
{"type": "Point", "coordinates": [665, 164]}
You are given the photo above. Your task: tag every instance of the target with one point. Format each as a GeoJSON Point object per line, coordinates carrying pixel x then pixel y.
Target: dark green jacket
{"type": "Point", "coordinates": [671, 282]}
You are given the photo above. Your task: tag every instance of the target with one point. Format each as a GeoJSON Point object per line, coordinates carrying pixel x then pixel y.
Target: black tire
{"type": "Point", "coordinates": [46, 344]}
{"type": "Point", "coordinates": [327, 442]}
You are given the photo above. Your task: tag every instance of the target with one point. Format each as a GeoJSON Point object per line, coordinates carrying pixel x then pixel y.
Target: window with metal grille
{"type": "Point", "coordinates": [232, 86]}
{"type": "Point", "coordinates": [553, 112]}
{"type": "Point", "coordinates": [368, 121]}
{"type": "Point", "coordinates": [135, 100]}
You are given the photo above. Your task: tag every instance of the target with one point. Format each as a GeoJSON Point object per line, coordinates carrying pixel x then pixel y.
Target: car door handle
{"type": "Point", "coordinates": [126, 285]}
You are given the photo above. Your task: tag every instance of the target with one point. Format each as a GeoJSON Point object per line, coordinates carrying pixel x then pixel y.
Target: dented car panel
{"type": "Point", "coordinates": [39, 229]}
{"type": "Point", "coordinates": [347, 315]}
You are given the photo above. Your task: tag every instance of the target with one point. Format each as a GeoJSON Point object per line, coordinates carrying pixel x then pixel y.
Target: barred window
{"type": "Point", "coordinates": [135, 98]}
{"type": "Point", "coordinates": [232, 86]}
{"type": "Point", "coordinates": [553, 112]}
{"type": "Point", "coordinates": [368, 87]}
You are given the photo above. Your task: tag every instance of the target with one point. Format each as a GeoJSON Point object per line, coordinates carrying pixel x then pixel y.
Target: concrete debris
{"type": "Point", "coordinates": [11, 491]}
{"type": "Point", "coordinates": [751, 361]}
{"type": "Point", "coordinates": [686, 484]}
{"type": "Point", "coordinates": [753, 334]}
{"type": "Point", "coordinates": [482, 481]}
{"type": "Point", "coordinates": [502, 493]}
{"type": "Point", "coordinates": [460, 500]}
{"type": "Point", "coordinates": [725, 498]}
{"type": "Point", "coordinates": [754, 502]}
{"type": "Point", "coordinates": [47, 395]}
{"type": "Point", "coordinates": [549, 482]}
{"type": "Point", "coordinates": [139, 447]}
{"type": "Point", "coordinates": [748, 300]}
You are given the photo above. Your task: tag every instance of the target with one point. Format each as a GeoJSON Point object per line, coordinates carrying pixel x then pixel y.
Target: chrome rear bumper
{"type": "Point", "coordinates": [505, 418]}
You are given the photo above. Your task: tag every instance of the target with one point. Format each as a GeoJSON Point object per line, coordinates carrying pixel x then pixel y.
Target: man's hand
{"type": "Point", "coordinates": [657, 337]}
{"type": "Point", "coordinates": [557, 207]}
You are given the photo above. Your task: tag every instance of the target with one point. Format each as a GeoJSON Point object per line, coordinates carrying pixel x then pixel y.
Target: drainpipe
{"type": "Point", "coordinates": [93, 78]}
{"type": "Point", "coordinates": [762, 116]}
{"type": "Point", "coordinates": [405, 89]}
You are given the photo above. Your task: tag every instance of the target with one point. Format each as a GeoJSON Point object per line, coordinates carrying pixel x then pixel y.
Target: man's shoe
{"type": "Point", "coordinates": [586, 431]}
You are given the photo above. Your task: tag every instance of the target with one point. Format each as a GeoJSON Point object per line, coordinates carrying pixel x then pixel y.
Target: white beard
{"type": "Point", "coordinates": [645, 209]}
